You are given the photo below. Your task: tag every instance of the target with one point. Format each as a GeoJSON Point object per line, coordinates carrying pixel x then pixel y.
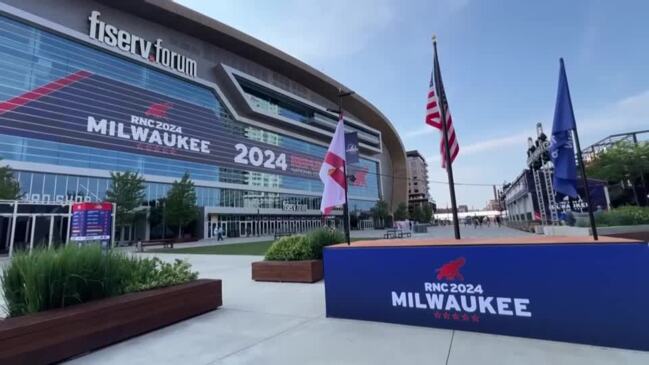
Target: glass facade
{"type": "Point", "coordinates": [273, 103]}
{"type": "Point", "coordinates": [38, 186]}
{"type": "Point", "coordinates": [31, 58]}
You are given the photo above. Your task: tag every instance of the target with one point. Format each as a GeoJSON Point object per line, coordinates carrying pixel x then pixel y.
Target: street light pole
{"type": "Point", "coordinates": [164, 223]}
{"type": "Point", "coordinates": [341, 95]}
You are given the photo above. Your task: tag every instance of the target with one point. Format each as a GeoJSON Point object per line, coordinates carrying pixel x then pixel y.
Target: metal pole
{"type": "Point", "coordinates": [13, 229]}
{"type": "Point", "coordinates": [346, 205]}
{"type": "Point", "coordinates": [449, 164]}
{"type": "Point", "coordinates": [112, 225]}
{"type": "Point", "coordinates": [584, 178]}
{"type": "Point", "coordinates": [591, 217]}
{"type": "Point", "coordinates": [67, 234]}
{"type": "Point", "coordinates": [49, 241]}
{"type": "Point", "coordinates": [31, 235]}
{"type": "Point", "coordinates": [164, 223]}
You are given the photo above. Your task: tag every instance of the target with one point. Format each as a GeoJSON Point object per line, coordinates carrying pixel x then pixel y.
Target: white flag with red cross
{"type": "Point", "coordinates": [332, 172]}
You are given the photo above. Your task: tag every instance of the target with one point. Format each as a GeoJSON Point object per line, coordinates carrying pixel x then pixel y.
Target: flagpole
{"type": "Point", "coordinates": [449, 163]}
{"type": "Point", "coordinates": [341, 95]}
{"type": "Point", "coordinates": [584, 178]}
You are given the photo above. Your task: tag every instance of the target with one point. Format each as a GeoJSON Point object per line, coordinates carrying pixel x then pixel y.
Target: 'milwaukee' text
{"type": "Point", "coordinates": [146, 130]}
{"type": "Point", "coordinates": [449, 300]}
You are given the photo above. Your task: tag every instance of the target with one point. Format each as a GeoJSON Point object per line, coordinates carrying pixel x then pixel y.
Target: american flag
{"type": "Point", "coordinates": [437, 96]}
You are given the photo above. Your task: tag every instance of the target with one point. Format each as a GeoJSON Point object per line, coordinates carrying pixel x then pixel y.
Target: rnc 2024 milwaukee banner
{"type": "Point", "coordinates": [91, 110]}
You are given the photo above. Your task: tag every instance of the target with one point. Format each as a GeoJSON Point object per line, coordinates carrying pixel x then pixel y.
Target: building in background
{"type": "Point", "coordinates": [530, 198]}
{"type": "Point", "coordinates": [418, 192]}
{"type": "Point", "coordinates": [90, 87]}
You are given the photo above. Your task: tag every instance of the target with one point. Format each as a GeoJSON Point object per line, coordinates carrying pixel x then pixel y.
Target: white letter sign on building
{"type": "Point", "coordinates": [125, 41]}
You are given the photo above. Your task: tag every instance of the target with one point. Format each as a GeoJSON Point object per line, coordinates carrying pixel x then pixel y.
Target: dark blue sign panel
{"type": "Point", "coordinates": [91, 222]}
{"type": "Point", "coordinates": [351, 147]}
{"type": "Point", "coordinates": [586, 293]}
{"type": "Point", "coordinates": [91, 110]}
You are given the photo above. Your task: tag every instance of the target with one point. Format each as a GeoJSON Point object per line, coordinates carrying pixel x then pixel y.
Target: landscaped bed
{"type": "Point", "coordinates": [72, 300]}
{"type": "Point", "coordinates": [297, 258]}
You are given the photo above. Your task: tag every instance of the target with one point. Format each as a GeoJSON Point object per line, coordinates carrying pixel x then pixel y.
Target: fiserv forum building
{"type": "Point", "coordinates": [89, 87]}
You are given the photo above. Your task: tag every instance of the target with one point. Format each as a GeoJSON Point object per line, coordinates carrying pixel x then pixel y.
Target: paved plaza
{"type": "Point", "coordinates": [281, 323]}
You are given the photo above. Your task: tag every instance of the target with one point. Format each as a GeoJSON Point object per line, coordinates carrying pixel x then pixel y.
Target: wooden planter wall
{"type": "Point", "coordinates": [58, 334]}
{"type": "Point", "coordinates": [307, 271]}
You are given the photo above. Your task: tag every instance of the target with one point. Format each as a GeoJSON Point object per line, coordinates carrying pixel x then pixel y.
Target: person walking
{"type": "Point", "coordinates": [219, 234]}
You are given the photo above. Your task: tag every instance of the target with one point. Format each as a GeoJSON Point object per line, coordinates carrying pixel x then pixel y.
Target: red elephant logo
{"type": "Point", "coordinates": [158, 110]}
{"type": "Point", "coordinates": [451, 270]}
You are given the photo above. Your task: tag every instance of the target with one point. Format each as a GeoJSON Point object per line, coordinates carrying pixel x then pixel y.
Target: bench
{"type": "Point", "coordinates": [165, 243]}
{"type": "Point", "coordinates": [396, 233]}
{"type": "Point", "coordinates": [391, 233]}
{"type": "Point", "coordinates": [405, 234]}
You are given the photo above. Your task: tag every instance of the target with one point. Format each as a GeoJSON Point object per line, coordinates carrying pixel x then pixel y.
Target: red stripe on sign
{"type": "Point", "coordinates": [334, 160]}
{"type": "Point", "coordinates": [38, 93]}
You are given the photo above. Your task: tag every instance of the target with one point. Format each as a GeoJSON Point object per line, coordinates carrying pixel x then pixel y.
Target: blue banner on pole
{"type": "Point", "coordinates": [562, 151]}
{"type": "Point", "coordinates": [351, 147]}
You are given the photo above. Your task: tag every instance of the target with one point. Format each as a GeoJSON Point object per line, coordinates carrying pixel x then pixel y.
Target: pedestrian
{"type": "Point", "coordinates": [219, 234]}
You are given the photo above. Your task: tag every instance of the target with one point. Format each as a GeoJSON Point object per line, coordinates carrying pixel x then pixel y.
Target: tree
{"type": "Point", "coordinates": [127, 192]}
{"type": "Point", "coordinates": [428, 212]}
{"type": "Point", "coordinates": [157, 218]}
{"type": "Point", "coordinates": [418, 214]}
{"type": "Point", "coordinates": [181, 206]}
{"type": "Point", "coordinates": [9, 186]}
{"type": "Point", "coordinates": [622, 163]}
{"type": "Point", "coordinates": [401, 213]}
{"type": "Point", "coordinates": [380, 212]}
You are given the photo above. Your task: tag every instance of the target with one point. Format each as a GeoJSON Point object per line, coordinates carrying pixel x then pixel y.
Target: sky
{"type": "Point", "coordinates": [499, 62]}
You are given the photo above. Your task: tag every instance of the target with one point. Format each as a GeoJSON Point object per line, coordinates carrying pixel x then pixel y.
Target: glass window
{"type": "Point", "coordinates": [31, 57]}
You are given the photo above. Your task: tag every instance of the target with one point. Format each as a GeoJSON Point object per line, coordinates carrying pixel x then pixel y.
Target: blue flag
{"type": "Point", "coordinates": [561, 147]}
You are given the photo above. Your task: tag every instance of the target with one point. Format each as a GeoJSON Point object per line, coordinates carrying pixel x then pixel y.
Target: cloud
{"type": "Point", "coordinates": [490, 144]}
{"type": "Point", "coordinates": [420, 132]}
{"type": "Point", "coordinates": [309, 30]}
{"type": "Point", "coordinates": [626, 115]}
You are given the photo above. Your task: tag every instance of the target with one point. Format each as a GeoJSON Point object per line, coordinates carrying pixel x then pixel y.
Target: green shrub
{"type": "Point", "coordinates": [292, 248]}
{"type": "Point", "coordinates": [623, 216]}
{"type": "Point", "coordinates": [48, 279]}
{"type": "Point", "coordinates": [324, 237]}
{"type": "Point", "coordinates": [303, 247]}
{"type": "Point", "coordinates": [154, 273]}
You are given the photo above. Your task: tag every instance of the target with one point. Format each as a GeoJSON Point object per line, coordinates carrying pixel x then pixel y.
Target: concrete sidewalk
{"type": "Point", "coordinates": [281, 323]}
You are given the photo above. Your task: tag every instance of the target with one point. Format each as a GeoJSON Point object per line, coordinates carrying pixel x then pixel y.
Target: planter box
{"type": "Point", "coordinates": [566, 231]}
{"type": "Point", "coordinates": [58, 334]}
{"type": "Point", "coordinates": [638, 232]}
{"type": "Point", "coordinates": [307, 271]}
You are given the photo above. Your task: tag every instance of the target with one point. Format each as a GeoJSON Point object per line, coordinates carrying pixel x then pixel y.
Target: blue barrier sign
{"type": "Point", "coordinates": [586, 293]}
